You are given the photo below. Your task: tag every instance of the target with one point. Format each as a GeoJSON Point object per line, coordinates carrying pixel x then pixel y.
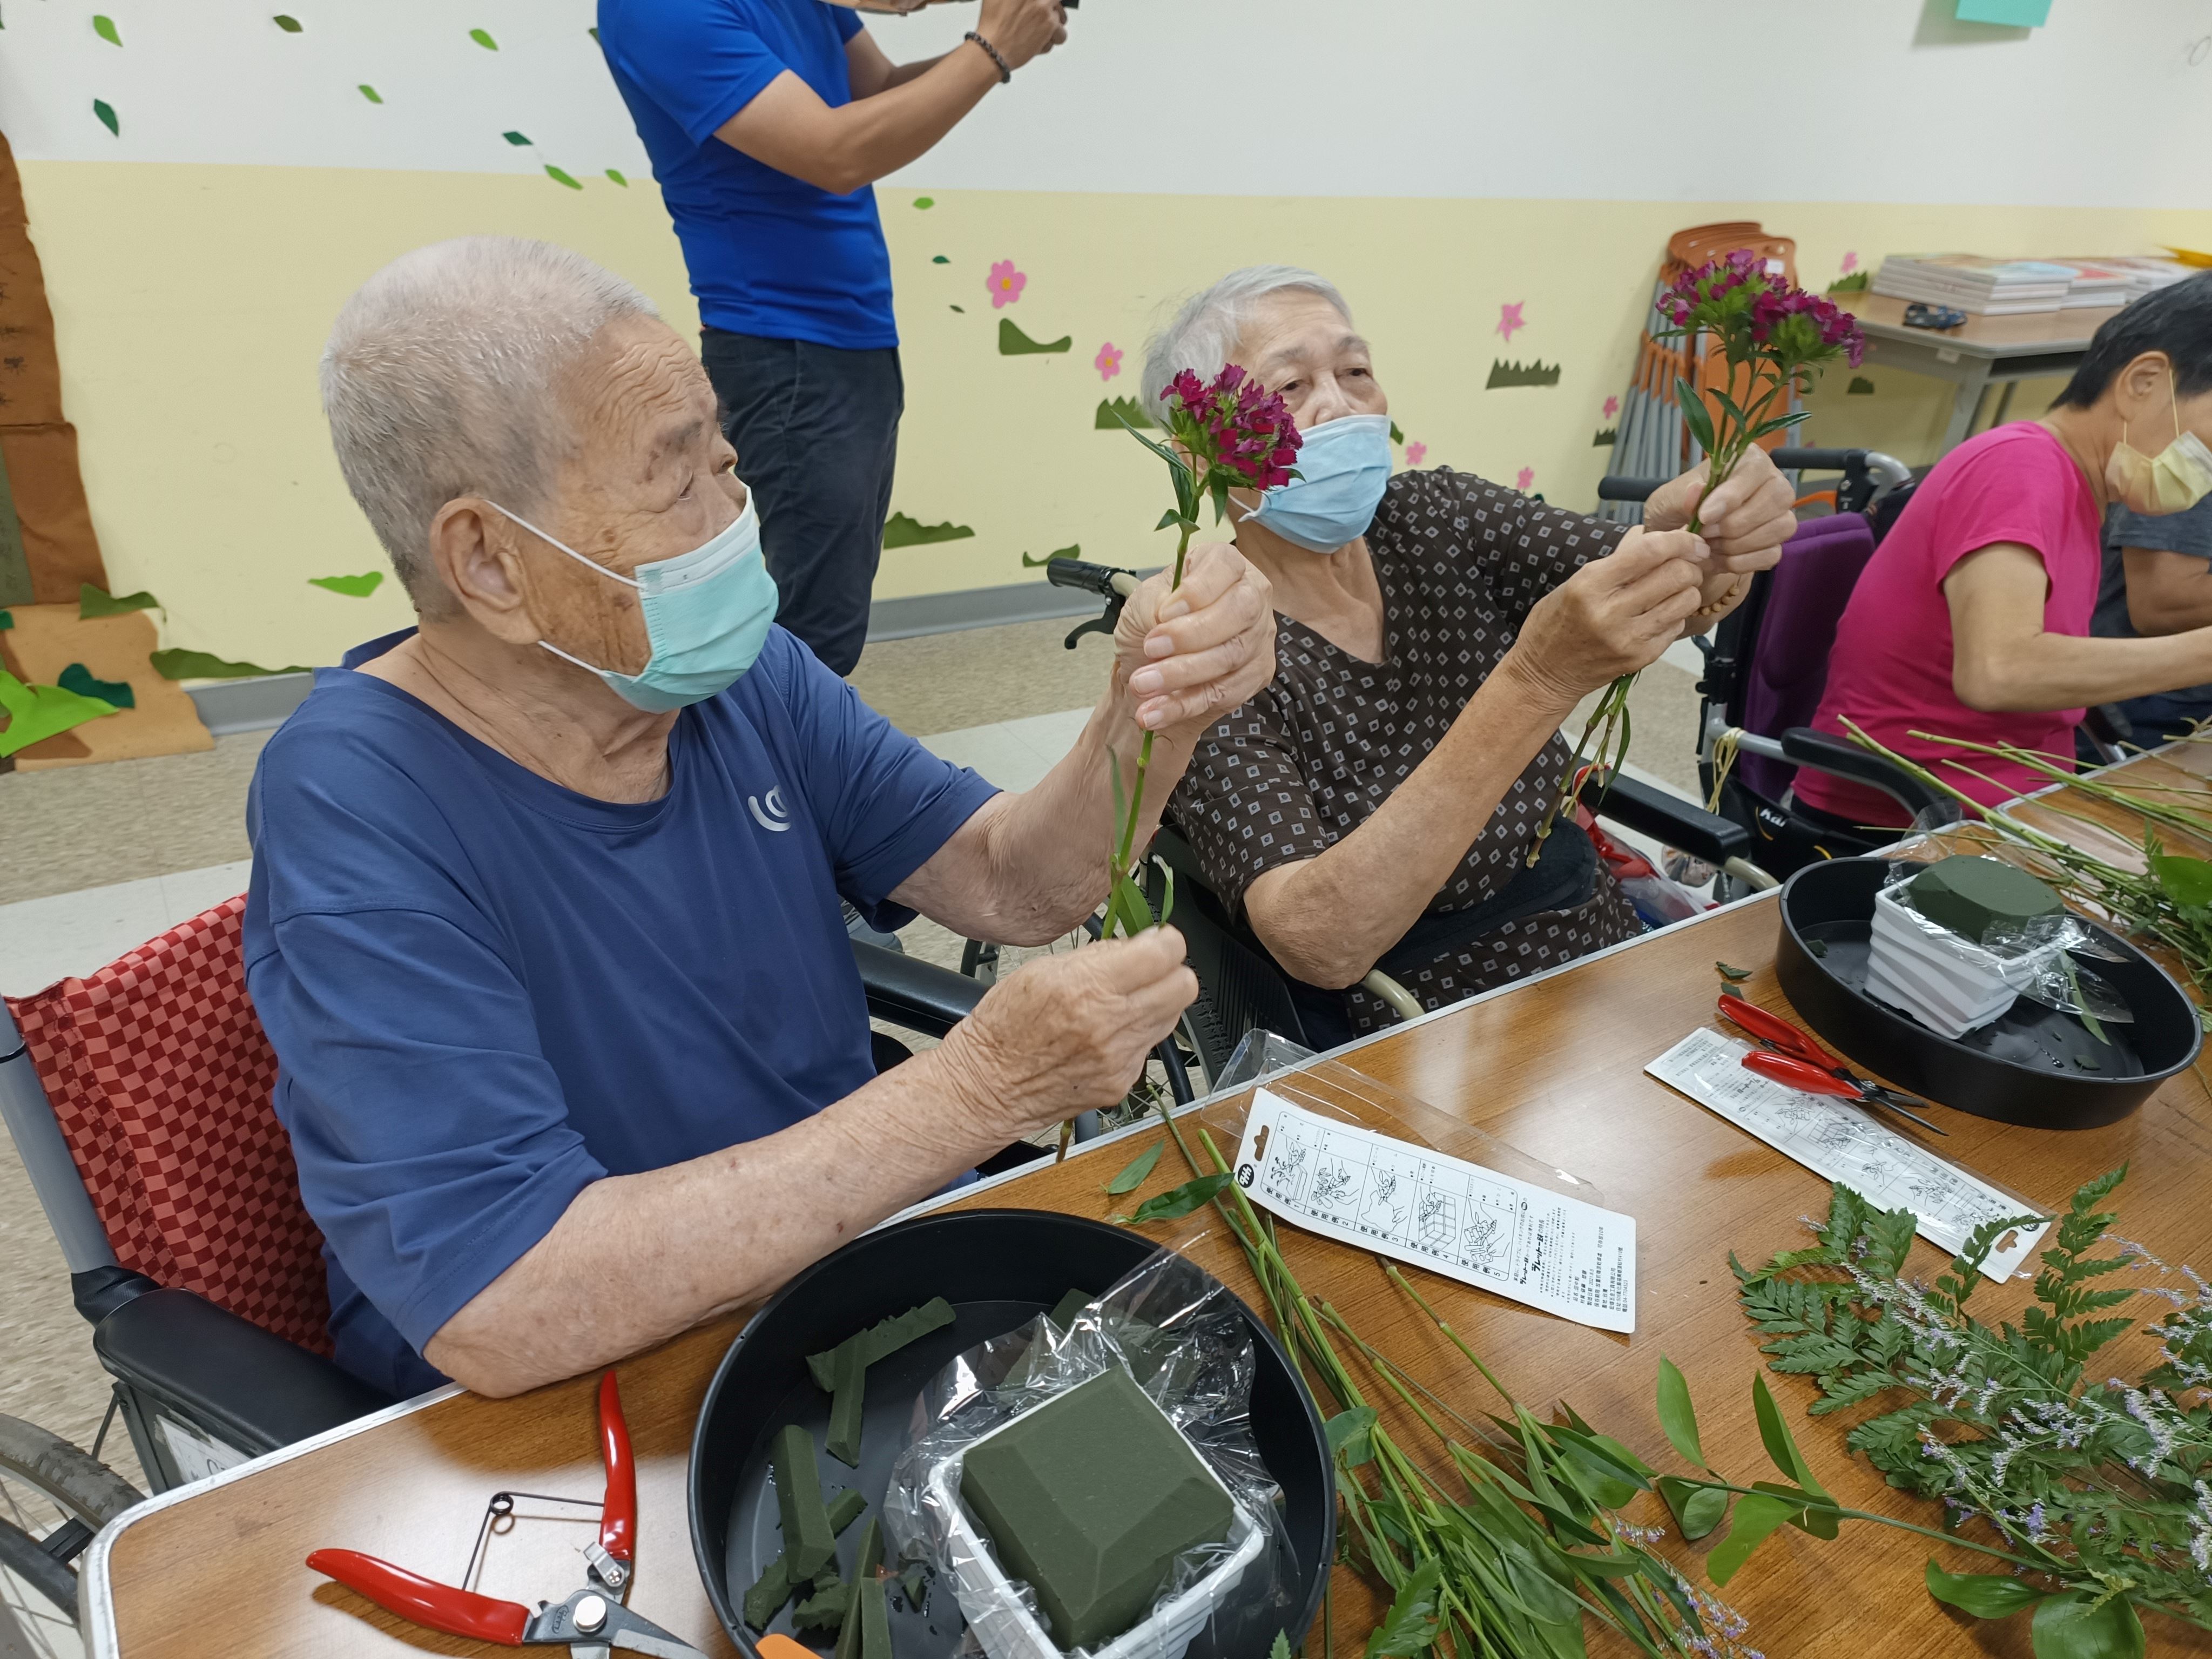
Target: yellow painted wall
{"type": "Point", "coordinates": [191, 302]}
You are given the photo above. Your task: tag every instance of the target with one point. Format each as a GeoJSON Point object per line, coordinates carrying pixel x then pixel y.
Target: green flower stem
{"type": "Point", "coordinates": [1126, 850]}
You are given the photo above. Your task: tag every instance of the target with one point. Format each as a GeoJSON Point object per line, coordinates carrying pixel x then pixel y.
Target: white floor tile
{"type": "Point", "coordinates": [1012, 754]}
{"type": "Point", "coordinates": [44, 939]}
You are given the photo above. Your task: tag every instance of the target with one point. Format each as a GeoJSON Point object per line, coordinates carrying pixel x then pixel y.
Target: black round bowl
{"type": "Point", "coordinates": [999, 1269]}
{"type": "Point", "coordinates": [2026, 1068]}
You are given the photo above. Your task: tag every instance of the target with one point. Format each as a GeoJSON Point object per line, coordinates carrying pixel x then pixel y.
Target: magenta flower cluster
{"type": "Point", "coordinates": [1236, 426]}
{"type": "Point", "coordinates": [1737, 295]}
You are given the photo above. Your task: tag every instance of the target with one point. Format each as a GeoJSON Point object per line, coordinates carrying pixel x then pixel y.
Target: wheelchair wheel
{"type": "Point", "coordinates": [53, 1497]}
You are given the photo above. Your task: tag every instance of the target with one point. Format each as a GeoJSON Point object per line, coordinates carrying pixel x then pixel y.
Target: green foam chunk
{"type": "Point", "coordinates": [1968, 894]}
{"type": "Point", "coordinates": [852, 1635]}
{"type": "Point", "coordinates": [1088, 1500]}
{"type": "Point", "coordinates": [883, 1340]}
{"type": "Point", "coordinates": [845, 1509]}
{"type": "Point", "coordinates": [875, 1620]}
{"type": "Point", "coordinates": [1063, 1314]}
{"type": "Point", "coordinates": [770, 1592]}
{"type": "Point", "coordinates": [825, 1609]}
{"type": "Point", "coordinates": [850, 1396]}
{"type": "Point", "coordinates": [808, 1540]}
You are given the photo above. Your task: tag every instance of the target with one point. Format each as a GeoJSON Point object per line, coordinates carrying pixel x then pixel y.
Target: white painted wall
{"type": "Point", "coordinates": [2110, 105]}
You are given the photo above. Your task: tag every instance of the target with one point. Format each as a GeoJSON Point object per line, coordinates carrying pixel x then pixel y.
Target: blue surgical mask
{"type": "Point", "coordinates": [706, 613]}
{"type": "Point", "coordinates": [1344, 467]}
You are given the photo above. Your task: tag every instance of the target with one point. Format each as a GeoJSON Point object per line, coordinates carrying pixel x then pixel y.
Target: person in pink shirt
{"type": "Point", "coordinates": [1971, 620]}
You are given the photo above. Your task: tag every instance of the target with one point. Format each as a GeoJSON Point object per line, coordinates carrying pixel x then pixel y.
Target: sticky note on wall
{"type": "Point", "coordinates": [2021, 14]}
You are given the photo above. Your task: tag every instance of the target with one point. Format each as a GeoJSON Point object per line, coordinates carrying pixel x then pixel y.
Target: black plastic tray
{"type": "Point", "coordinates": [2023, 1068]}
{"type": "Point", "coordinates": [999, 1269]}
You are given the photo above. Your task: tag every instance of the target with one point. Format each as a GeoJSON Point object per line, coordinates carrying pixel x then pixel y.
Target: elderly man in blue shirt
{"type": "Point", "coordinates": [544, 921]}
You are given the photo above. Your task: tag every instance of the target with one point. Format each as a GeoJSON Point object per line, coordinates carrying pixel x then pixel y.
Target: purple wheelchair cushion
{"type": "Point", "coordinates": [1788, 669]}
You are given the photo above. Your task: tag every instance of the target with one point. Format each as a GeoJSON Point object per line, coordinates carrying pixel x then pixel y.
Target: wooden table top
{"type": "Point", "coordinates": [1553, 1067]}
{"type": "Point", "coordinates": [2033, 333]}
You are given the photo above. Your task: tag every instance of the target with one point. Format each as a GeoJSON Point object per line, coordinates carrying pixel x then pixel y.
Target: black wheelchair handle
{"type": "Point", "coordinates": [1818, 460]}
{"type": "Point", "coordinates": [1106, 580]}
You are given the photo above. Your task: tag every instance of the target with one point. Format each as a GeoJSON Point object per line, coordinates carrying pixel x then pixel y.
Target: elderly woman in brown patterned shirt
{"type": "Point", "coordinates": [1374, 806]}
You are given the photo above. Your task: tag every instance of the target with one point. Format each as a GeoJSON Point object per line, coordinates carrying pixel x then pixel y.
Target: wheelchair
{"type": "Point", "coordinates": [138, 1098]}
{"type": "Point", "coordinates": [1242, 989]}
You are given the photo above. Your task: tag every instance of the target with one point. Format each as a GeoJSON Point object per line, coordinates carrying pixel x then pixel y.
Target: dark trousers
{"type": "Point", "coordinates": [816, 429]}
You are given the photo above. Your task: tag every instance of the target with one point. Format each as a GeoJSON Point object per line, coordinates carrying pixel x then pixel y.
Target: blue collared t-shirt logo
{"type": "Point", "coordinates": [770, 814]}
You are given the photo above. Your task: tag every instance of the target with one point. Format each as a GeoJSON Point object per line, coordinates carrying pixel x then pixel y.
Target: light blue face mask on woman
{"type": "Point", "coordinates": [706, 613]}
{"type": "Point", "coordinates": [1344, 467]}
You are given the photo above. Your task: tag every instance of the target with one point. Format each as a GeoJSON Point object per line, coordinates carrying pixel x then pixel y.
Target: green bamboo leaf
{"type": "Point", "coordinates": [371, 93]}
{"type": "Point", "coordinates": [1410, 1626]}
{"type": "Point", "coordinates": [1136, 1172]}
{"type": "Point", "coordinates": [1179, 1201]}
{"type": "Point", "coordinates": [1758, 1517]}
{"type": "Point", "coordinates": [561, 178]}
{"type": "Point", "coordinates": [104, 27]}
{"type": "Point", "coordinates": [1779, 1446]}
{"type": "Point", "coordinates": [1348, 1433]}
{"type": "Point", "coordinates": [1984, 1595]}
{"type": "Point", "coordinates": [106, 112]}
{"type": "Point", "coordinates": [484, 38]}
{"type": "Point", "coordinates": [1676, 1414]}
{"type": "Point", "coordinates": [1813, 1514]}
{"type": "Point", "coordinates": [1697, 1510]}
{"type": "Point", "coordinates": [1135, 908]}
{"type": "Point", "coordinates": [2076, 1624]}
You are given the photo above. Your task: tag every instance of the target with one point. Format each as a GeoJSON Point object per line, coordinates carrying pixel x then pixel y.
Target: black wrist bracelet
{"type": "Point", "coordinates": [1006, 71]}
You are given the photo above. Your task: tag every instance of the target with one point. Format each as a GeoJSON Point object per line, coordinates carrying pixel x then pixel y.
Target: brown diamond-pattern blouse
{"type": "Point", "coordinates": [1308, 759]}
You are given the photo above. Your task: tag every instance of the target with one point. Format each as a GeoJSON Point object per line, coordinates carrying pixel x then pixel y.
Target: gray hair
{"type": "Point", "coordinates": [1206, 329]}
{"type": "Point", "coordinates": [438, 382]}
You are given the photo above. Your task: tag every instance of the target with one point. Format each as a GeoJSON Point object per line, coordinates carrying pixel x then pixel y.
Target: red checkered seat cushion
{"type": "Point", "coordinates": [160, 1075]}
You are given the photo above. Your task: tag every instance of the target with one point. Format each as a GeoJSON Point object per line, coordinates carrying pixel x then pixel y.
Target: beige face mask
{"type": "Point", "coordinates": [2173, 481]}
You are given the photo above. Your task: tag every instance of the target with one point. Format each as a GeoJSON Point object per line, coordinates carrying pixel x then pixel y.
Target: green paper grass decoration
{"type": "Point", "coordinates": [482, 38]}
{"type": "Point", "coordinates": [37, 712]}
{"type": "Point", "coordinates": [1114, 414]}
{"type": "Point", "coordinates": [104, 27]}
{"type": "Point", "coordinates": [106, 112]}
{"type": "Point", "coordinates": [116, 693]}
{"type": "Point", "coordinates": [561, 178]}
{"type": "Point", "coordinates": [1606, 438]}
{"type": "Point", "coordinates": [290, 25]}
{"type": "Point", "coordinates": [903, 532]}
{"type": "Point", "coordinates": [354, 588]}
{"type": "Point", "coordinates": [371, 93]}
{"type": "Point", "coordinates": [92, 603]}
{"type": "Point", "coordinates": [1013, 343]}
{"type": "Point", "coordinates": [1503, 373]}
{"type": "Point", "coordinates": [1860, 387]}
{"type": "Point", "coordinates": [180, 665]}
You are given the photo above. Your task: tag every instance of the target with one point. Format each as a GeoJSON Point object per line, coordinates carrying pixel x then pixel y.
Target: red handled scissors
{"type": "Point", "coordinates": [1793, 1059]}
{"type": "Point", "coordinates": [590, 1622]}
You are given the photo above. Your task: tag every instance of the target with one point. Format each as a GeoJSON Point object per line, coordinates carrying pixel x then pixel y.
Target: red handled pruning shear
{"type": "Point", "coordinates": [1792, 1058]}
{"type": "Point", "coordinates": [590, 1622]}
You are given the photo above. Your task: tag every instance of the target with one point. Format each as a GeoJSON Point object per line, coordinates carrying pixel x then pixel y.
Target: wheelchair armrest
{"type": "Point", "coordinates": [1679, 824]}
{"type": "Point", "coordinates": [1825, 752]}
{"type": "Point", "coordinates": [254, 1389]}
{"type": "Point", "coordinates": [919, 995]}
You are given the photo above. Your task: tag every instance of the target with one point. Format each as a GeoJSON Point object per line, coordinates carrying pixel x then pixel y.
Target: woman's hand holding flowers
{"type": "Point", "coordinates": [1745, 521]}
{"type": "Point", "coordinates": [1187, 655]}
{"type": "Point", "coordinates": [1615, 615]}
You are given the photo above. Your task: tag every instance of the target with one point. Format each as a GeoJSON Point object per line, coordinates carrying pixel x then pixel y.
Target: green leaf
{"type": "Point", "coordinates": [1013, 343]}
{"type": "Point", "coordinates": [1758, 1517]}
{"type": "Point", "coordinates": [1135, 1172]}
{"type": "Point", "coordinates": [514, 139]}
{"type": "Point", "coordinates": [1396, 436]}
{"type": "Point", "coordinates": [91, 603]}
{"type": "Point", "coordinates": [178, 665]}
{"type": "Point", "coordinates": [106, 112]}
{"type": "Point", "coordinates": [1695, 414]}
{"type": "Point", "coordinates": [2076, 1625]}
{"type": "Point", "coordinates": [484, 38]}
{"type": "Point", "coordinates": [560, 177]}
{"type": "Point", "coordinates": [1348, 1433]}
{"type": "Point", "coordinates": [1734, 975]}
{"type": "Point", "coordinates": [2187, 881]}
{"type": "Point", "coordinates": [1984, 1595]}
{"type": "Point", "coordinates": [371, 93]}
{"type": "Point", "coordinates": [924, 201]}
{"type": "Point", "coordinates": [1072, 551]}
{"type": "Point", "coordinates": [1813, 1515]}
{"type": "Point", "coordinates": [290, 25]}
{"type": "Point", "coordinates": [36, 712]}
{"type": "Point", "coordinates": [615, 173]}
{"type": "Point", "coordinates": [1172, 516]}
{"type": "Point", "coordinates": [1282, 1648]}
{"type": "Point", "coordinates": [78, 678]}
{"type": "Point", "coordinates": [104, 27]}
{"type": "Point", "coordinates": [900, 531]}
{"type": "Point", "coordinates": [1779, 1446]}
{"type": "Point", "coordinates": [1676, 1415]}
{"type": "Point", "coordinates": [1697, 1510]}
{"type": "Point", "coordinates": [1410, 1626]}
{"type": "Point", "coordinates": [354, 588]}
{"type": "Point", "coordinates": [1179, 1202]}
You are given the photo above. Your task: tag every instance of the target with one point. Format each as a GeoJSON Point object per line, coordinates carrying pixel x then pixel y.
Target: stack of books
{"type": "Point", "coordinates": [2138, 276]}
{"type": "Point", "coordinates": [1983, 287]}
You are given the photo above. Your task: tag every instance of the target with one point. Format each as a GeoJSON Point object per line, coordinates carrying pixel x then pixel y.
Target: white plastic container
{"type": "Point", "coordinates": [1002, 1620]}
{"type": "Point", "coordinates": [1949, 985]}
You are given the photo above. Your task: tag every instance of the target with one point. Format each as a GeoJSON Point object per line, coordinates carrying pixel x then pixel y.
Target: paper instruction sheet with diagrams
{"type": "Point", "coordinates": [1521, 1241]}
{"type": "Point", "coordinates": [1838, 1142]}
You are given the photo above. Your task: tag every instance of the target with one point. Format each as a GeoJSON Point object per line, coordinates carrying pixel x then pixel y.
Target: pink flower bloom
{"type": "Point", "coordinates": [1525, 478]}
{"type": "Point", "coordinates": [1509, 317]}
{"type": "Point", "coordinates": [1006, 284]}
{"type": "Point", "coordinates": [1108, 362]}
{"type": "Point", "coordinates": [1416, 453]}
{"type": "Point", "coordinates": [1851, 264]}
{"type": "Point", "coordinates": [1236, 426]}
{"type": "Point", "coordinates": [1611, 408]}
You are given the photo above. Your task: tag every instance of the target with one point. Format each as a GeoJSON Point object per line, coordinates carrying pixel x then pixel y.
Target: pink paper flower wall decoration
{"type": "Point", "coordinates": [1108, 362]}
{"type": "Point", "coordinates": [1851, 264]}
{"type": "Point", "coordinates": [1006, 284]}
{"type": "Point", "coordinates": [1525, 478]}
{"type": "Point", "coordinates": [1509, 317]}
{"type": "Point", "coordinates": [1611, 408]}
{"type": "Point", "coordinates": [1416, 453]}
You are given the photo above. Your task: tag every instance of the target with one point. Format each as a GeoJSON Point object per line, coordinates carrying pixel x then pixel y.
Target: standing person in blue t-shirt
{"type": "Point", "coordinates": [768, 122]}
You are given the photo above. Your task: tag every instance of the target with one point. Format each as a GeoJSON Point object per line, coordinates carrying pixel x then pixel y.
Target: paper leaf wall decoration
{"type": "Point", "coordinates": [289, 24]}
{"type": "Point", "coordinates": [116, 693]}
{"type": "Point", "coordinates": [615, 173]}
{"type": "Point", "coordinates": [37, 711]}
{"type": "Point", "coordinates": [1606, 438]}
{"type": "Point", "coordinates": [903, 532]}
{"type": "Point", "coordinates": [106, 112]}
{"type": "Point", "coordinates": [1860, 387]}
{"type": "Point", "coordinates": [1114, 412]}
{"type": "Point", "coordinates": [371, 93]}
{"type": "Point", "coordinates": [514, 137]}
{"type": "Point", "coordinates": [924, 201]}
{"type": "Point", "coordinates": [176, 664]}
{"type": "Point", "coordinates": [482, 38]}
{"type": "Point", "coordinates": [561, 178]}
{"type": "Point", "coordinates": [1013, 343]}
{"type": "Point", "coordinates": [354, 588]}
{"type": "Point", "coordinates": [1535, 373]}
{"type": "Point", "coordinates": [91, 602]}
{"type": "Point", "coordinates": [105, 28]}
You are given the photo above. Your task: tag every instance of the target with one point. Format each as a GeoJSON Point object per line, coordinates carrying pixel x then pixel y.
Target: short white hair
{"type": "Point", "coordinates": [439, 382]}
{"type": "Point", "coordinates": [1207, 325]}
